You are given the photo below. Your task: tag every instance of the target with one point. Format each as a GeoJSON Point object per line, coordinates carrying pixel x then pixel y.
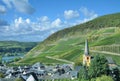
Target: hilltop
{"type": "Point", "coordinates": [103, 34]}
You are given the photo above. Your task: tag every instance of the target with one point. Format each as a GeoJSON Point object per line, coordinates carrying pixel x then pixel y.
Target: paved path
{"type": "Point", "coordinates": [62, 60]}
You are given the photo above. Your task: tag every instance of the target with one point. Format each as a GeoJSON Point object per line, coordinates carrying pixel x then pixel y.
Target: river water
{"type": "Point", "coordinates": [10, 58]}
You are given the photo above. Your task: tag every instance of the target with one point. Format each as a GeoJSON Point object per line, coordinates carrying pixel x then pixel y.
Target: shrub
{"type": "Point", "coordinates": [104, 78]}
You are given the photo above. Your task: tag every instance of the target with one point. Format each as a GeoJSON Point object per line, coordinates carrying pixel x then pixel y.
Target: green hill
{"type": "Point", "coordinates": [103, 34]}
{"type": "Point", "coordinates": [12, 47]}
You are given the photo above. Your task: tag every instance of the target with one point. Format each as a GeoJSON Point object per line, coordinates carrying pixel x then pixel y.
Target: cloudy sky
{"type": "Point", "coordinates": [34, 20]}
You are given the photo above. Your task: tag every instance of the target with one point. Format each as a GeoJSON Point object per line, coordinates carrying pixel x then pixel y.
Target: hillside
{"type": "Point", "coordinates": [10, 47]}
{"type": "Point", "coordinates": [112, 20]}
{"type": "Point", "coordinates": [103, 34]}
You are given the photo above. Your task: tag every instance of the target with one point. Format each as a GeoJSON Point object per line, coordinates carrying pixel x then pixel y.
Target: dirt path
{"type": "Point", "coordinates": [62, 60]}
{"type": "Point", "coordinates": [109, 53]}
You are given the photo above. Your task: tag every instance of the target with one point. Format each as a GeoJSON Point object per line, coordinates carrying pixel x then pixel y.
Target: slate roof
{"type": "Point", "coordinates": [77, 68]}
{"type": "Point", "coordinates": [110, 60]}
{"type": "Point", "coordinates": [38, 64]}
{"type": "Point", "coordinates": [32, 77]}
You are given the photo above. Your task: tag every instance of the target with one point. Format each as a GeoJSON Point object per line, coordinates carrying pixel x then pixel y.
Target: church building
{"type": "Point", "coordinates": [86, 55]}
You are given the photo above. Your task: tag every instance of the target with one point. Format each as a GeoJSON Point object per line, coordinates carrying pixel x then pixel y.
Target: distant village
{"type": "Point", "coordinates": [40, 71]}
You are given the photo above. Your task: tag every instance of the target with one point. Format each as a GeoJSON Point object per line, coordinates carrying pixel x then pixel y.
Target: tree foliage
{"type": "Point", "coordinates": [19, 79]}
{"type": "Point", "coordinates": [98, 66]}
{"type": "Point", "coordinates": [2, 75]}
{"type": "Point", "coordinates": [104, 78]}
{"type": "Point", "coordinates": [0, 59]}
{"type": "Point", "coordinates": [115, 73]}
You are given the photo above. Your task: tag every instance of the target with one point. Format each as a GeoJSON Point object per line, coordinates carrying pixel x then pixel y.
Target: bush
{"type": "Point", "coordinates": [19, 79]}
{"type": "Point", "coordinates": [104, 78]}
{"type": "Point", "coordinates": [2, 75]}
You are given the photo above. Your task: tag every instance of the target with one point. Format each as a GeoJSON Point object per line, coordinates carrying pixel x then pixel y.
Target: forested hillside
{"type": "Point", "coordinates": [15, 47]}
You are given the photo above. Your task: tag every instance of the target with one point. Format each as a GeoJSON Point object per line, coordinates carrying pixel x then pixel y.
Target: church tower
{"type": "Point", "coordinates": [86, 55]}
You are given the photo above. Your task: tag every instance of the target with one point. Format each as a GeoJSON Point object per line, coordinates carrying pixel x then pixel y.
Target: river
{"type": "Point", "coordinates": [11, 58]}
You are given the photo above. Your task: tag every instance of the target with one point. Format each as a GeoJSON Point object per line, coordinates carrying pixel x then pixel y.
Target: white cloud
{"type": "Point", "coordinates": [28, 21]}
{"type": "Point", "coordinates": [43, 23]}
{"type": "Point", "coordinates": [22, 26]}
{"type": "Point", "coordinates": [68, 14]}
{"type": "Point", "coordinates": [25, 27]}
{"type": "Point", "coordinates": [52, 31]}
{"type": "Point", "coordinates": [88, 13]}
{"type": "Point", "coordinates": [8, 3]}
{"type": "Point", "coordinates": [43, 19]}
{"type": "Point", "coordinates": [2, 9]}
{"type": "Point", "coordinates": [22, 6]}
{"type": "Point", "coordinates": [17, 22]}
{"type": "Point", "coordinates": [56, 23]}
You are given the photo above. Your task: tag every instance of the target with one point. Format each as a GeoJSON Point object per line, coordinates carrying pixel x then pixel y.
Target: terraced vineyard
{"type": "Point", "coordinates": [68, 44]}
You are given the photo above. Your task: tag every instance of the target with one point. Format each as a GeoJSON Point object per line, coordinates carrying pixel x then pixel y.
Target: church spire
{"type": "Point", "coordinates": [86, 51]}
{"type": "Point", "coordinates": [86, 56]}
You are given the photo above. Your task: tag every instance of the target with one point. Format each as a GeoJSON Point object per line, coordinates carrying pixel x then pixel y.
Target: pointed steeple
{"type": "Point", "coordinates": [86, 51]}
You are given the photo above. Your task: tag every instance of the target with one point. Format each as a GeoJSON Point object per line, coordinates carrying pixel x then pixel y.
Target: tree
{"type": "Point", "coordinates": [98, 66]}
{"type": "Point", "coordinates": [104, 78]}
{"type": "Point", "coordinates": [2, 75]}
{"type": "Point", "coordinates": [18, 79]}
{"type": "Point", "coordinates": [85, 73]}
{"type": "Point", "coordinates": [0, 59]}
{"type": "Point", "coordinates": [115, 74]}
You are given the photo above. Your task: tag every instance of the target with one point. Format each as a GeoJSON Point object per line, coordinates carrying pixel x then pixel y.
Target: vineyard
{"type": "Point", "coordinates": [108, 48]}
{"type": "Point", "coordinates": [103, 35]}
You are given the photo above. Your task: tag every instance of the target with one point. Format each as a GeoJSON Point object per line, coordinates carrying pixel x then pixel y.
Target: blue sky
{"type": "Point", "coordinates": [35, 20]}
